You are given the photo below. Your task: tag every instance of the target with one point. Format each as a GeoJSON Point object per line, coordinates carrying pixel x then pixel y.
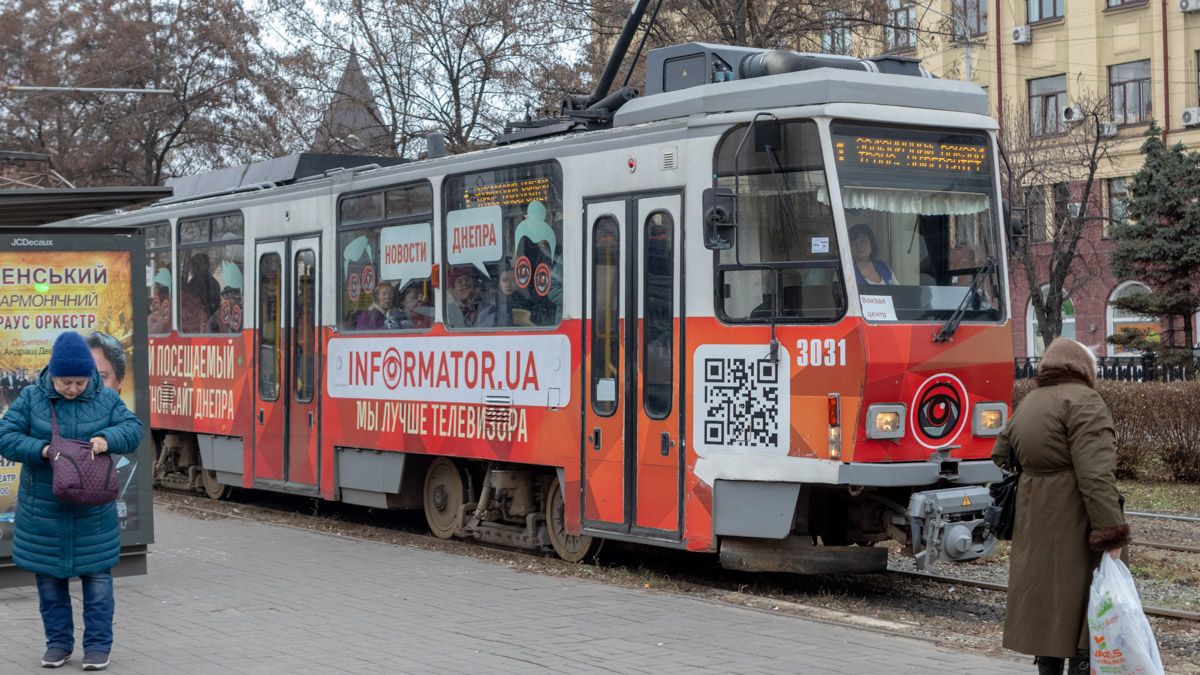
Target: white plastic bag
{"type": "Point", "coordinates": [1122, 642]}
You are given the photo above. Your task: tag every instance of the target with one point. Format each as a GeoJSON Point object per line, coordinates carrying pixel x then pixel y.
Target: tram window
{"type": "Point", "coordinates": [158, 278]}
{"type": "Point", "coordinates": [414, 200]}
{"type": "Point", "coordinates": [784, 220]}
{"type": "Point", "coordinates": [926, 223]}
{"type": "Point", "coordinates": [386, 259]}
{"type": "Point", "coordinates": [803, 294]}
{"type": "Point", "coordinates": [606, 323]}
{"type": "Point", "coordinates": [361, 209]}
{"type": "Point", "coordinates": [504, 242]}
{"type": "Point", "coordinates": [658, 323]}
{"type": "Point", "coordinates": [210, 274]}
{"type": "Point", "coordinates": [304, 352]}
{"type": "Point", "coordinates": [270, 328]}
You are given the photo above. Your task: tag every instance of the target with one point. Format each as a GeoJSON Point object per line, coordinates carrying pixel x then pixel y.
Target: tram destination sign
{"type": "Point", "coordinates": [911, 154]}
{"type": "Point", "coordinates": [910, 158]}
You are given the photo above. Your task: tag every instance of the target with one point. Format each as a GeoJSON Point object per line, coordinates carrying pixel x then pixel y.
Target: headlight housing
{"type": "Point", "coordinates": [885, 420]}
{"type": "Point", "coordinates": [988, 419]}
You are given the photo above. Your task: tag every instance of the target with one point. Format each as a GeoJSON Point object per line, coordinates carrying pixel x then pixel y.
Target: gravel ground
{"type": "Point", "coordinates": [953, 615]}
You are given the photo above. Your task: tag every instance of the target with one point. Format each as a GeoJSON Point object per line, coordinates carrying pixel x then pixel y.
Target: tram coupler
{"type": "Point", "coordinates": [948, 525]}
{"type": "Point", "coordinates": [798, 555]}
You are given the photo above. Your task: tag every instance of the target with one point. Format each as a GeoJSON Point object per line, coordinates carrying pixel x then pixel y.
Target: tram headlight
{"type": "Point", "coordinates": [987, 419]}
{"type": "Point", "coordinates": [885, 420]}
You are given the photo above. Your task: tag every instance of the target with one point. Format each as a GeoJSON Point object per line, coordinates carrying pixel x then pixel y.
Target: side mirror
{"type": "Point", "coordinates": [720, 226]}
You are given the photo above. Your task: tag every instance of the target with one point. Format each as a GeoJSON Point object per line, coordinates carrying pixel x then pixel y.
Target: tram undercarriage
{"type": "Point", "coordinates": [509, 505]}
{"type": "Point", "coordinates": [833, 529]}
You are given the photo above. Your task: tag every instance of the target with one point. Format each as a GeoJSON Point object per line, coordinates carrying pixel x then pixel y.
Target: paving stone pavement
{"type": "Point", "coordinates": [234, 596]}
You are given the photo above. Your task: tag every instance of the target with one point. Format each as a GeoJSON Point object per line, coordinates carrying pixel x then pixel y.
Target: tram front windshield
{"type": "Point", "coordinates": [921, 214]}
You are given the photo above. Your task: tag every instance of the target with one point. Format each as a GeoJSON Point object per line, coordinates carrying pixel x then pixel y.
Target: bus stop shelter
{"type": "Point", "coordinates": [90, 279]}
{"type": "Point", "coordinates": [36, 207]}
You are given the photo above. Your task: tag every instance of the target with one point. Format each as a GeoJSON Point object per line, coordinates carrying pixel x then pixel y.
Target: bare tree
{"type": "Point", "coordinates": [1049, 172]}
{"type": "Point", "coordinates": [459, 67]}
{"type": "Point", "coordinates": [207, 53]}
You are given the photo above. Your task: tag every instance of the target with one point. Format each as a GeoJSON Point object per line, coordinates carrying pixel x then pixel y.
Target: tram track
{"type": "Point", "coordinates": [1165, 547]}
{"type": "Point", "coordinates": [1165, 612]}
{"type": "Point", "coordinates": [1163, 516]}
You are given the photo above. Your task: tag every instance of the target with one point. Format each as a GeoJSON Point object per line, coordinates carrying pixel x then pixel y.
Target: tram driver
{"type": "Point", "coordinates": [864, 248]}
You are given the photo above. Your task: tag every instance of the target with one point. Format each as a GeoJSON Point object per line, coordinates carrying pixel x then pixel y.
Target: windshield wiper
{"type": "Point", "coordinates": [951, 325]}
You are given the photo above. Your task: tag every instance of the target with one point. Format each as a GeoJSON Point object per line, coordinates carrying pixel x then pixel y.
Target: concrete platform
{"type": "Point", "coordinates": [233, 596]}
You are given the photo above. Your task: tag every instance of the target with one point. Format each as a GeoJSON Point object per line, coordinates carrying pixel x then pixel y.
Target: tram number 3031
{"type": "Point", "coordinates": [817, 352]}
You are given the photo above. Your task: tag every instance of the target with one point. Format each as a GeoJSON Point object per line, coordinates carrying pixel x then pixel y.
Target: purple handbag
{"type": "Point", "coordinates": [80, 476]}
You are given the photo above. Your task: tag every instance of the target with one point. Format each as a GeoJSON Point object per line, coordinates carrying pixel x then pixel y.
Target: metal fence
{"type": "Point", "coordinates": [1119, 368]}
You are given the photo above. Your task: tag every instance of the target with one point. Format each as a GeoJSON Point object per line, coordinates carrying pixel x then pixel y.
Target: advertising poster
{"type": "Point", "coordinates": [51, 282]}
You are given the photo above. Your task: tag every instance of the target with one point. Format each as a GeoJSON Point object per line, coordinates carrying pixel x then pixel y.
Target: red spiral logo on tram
{"type": "Point", "coordinates": [392, 368]}
{"type": "Point", "coordinates": [938, 410]}
{"type": "Point", "coordinates": [541, 279]}
{"type": "Point", "coordinates": [523, 272]}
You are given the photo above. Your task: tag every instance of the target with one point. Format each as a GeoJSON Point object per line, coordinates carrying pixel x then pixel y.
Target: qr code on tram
{"type": "Point", "coordinates": [741, 402]}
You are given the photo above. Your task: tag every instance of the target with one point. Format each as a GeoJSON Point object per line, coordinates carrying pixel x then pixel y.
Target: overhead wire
{"type": "Point", "coordinates": [107, 77]}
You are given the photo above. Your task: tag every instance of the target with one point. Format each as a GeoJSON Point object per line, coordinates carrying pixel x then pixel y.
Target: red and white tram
{"type": "Point", "coordinates": [761, 314]}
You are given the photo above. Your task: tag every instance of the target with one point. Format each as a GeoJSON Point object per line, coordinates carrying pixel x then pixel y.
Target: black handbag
{"type": "Point", "coordinates": [1001, 516]}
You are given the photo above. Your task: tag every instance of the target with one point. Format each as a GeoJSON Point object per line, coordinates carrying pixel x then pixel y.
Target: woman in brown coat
{"type": "Point", "coordinates": [1068, 510]}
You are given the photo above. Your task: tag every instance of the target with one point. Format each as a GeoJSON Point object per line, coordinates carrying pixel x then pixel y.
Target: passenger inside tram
{"type": "Point", "coordinates": [411, 312]}
{"type": "Point", "coordinates": [468, 307]}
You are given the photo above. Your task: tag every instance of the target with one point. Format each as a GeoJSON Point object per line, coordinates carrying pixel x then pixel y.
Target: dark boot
{"type": "Point", "coordinates": [1080, 664]}
{"type": "Point", "coordinates": [1049, 665]}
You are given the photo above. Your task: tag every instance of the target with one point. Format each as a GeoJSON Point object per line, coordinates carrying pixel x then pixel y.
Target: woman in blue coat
{"type": "Point", "coordinates": [53, 539]}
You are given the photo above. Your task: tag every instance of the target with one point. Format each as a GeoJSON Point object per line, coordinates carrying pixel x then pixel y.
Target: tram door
{"type": "Point", "coordinates": [286, 441]}
{"type": "Point", "coordinates": [632, 458]}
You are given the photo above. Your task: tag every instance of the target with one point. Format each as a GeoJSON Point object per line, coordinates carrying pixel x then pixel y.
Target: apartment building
{"type": "Point", "coordinates": [1142, 56]}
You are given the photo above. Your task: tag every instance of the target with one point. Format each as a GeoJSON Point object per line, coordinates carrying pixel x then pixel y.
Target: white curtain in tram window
{"type": "Point", "coordinates": [918, 202]}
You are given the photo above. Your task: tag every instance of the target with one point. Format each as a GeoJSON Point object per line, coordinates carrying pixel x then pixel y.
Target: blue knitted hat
{"type": "Point", "coordinates": [71, 357]}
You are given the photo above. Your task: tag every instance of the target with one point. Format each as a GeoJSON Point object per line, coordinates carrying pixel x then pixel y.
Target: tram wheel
{"type": "Point", "coordinates": [214, 489]}
{"type": "Point", "coordinates": [443, 497]}
{"type": "Point", "coordinates": [569, 547]}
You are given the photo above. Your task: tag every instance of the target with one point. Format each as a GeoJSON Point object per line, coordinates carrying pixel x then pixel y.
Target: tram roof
{"type": "Point", "coordinates": [806, 88]}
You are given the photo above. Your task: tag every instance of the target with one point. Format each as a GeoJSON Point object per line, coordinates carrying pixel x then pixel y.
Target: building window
{"type": "Point", "coordinates": [1035, 213]}
{"type": "Point", "coordinates": [1034, 344]}
{"type": "Point", "coordinates": [1047, 96]}
{"type": "Point", "coordinates": [1129, 92]}
{"type": "Point", "coordinates": [1118, 206]}
{"type": "Point", "coordinates": [971, 15]}
{"type": "Point", "coordinates": [1044, 10]}
{"type": "Point", "coordinates": [901, 27]}
{"type": "Point", "coordinates": [836, 38]}
{"type": "Point", "coordinates": [1124, 3]}
{"type": "Point", "coordinates": [1124, 321]}
{"type": "Point", "coordinates": [1062, 203]}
